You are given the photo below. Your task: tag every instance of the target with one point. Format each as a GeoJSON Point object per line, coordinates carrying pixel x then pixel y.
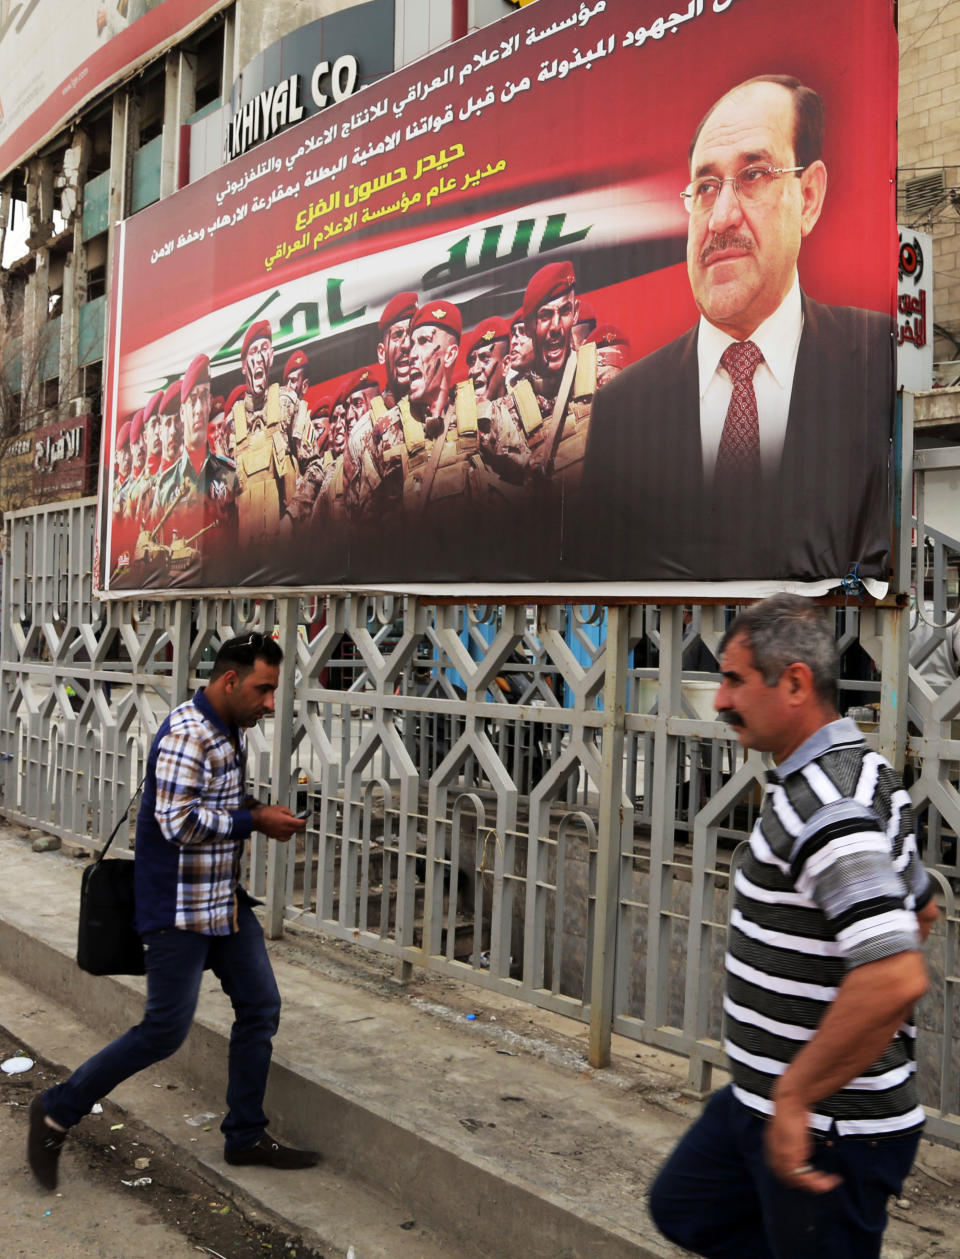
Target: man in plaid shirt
{"type": "Point", "coordinates": [193, 913]}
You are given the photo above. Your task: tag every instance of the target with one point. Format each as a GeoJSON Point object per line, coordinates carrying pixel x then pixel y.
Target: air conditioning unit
{"type": "Point", "coordinates": [923, 194]}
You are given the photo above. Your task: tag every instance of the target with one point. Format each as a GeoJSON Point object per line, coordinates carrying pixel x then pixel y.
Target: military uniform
{"type": "Point", "coordinates": [199, 499]}
{"type": "Point", "coordinates": [266, 471]}
{"type": "Point", "coordinates": [441, 463]}
{"type": "Point", "coordinates": [553, 426]}
{"type": "Point", "coordinates": [309, 488]}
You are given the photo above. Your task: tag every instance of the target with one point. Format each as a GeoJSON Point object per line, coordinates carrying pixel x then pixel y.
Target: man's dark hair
{"type": "Point", "coordinates": [242, 652]}
{"type": "Point", "coordinates": [785, 630]}
{"type": "Point", "coordinates": [807, 116]}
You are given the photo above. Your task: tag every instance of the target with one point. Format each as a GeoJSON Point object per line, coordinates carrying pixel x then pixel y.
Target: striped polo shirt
{"type": "Point", "coordinates": [832, 880]}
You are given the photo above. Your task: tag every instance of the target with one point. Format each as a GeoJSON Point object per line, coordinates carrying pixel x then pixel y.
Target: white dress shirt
{"type": "Point", "coordinates": [778, 339]}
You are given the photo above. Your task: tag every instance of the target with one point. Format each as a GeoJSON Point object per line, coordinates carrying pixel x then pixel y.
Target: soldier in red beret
{"type": "Point", "coordinates": [167, 415]}
{"type": "Point", "coordinates": [338, 425]}
{"type": "Point", "coordinates": [200, 489]}
{"type": "Point", "coordinates": [256, 360]}
{"type": "Point", "coordinates": [123, 528]}
{"type": "Point", "coordinates": [151, 430]}
{"type": "Point", "coordinates": [361, 473]}
{"type": "Point", "coordinates": [520, 354]}
{"type": "Point", "coordinates": [393, 346]}
{"type": "Point", "coordinates": [430, 443]}
{"type": "Point", "coordinates": [485, 351]}
{"type": "Point", "coordinates": [296, 382]}
{"type": "Point", "coordinates": [236, 395]}
{"type": "Point", "coordinates": [138, 445]}
{"type": "Point", "coordinates": [549, 312]}
{"type": "Point", "coordinates": [320, 415]}
{"type": "Point", "coordinates": [613, 352]}
{"type": "Point", "coordinates": [295, 377]}
{"type": "Point", "coordinates": [434, 346]}
{"type": "Point", "coordinates": [561, 382]}
{"type": "Point", "coordinates": [263, 423]}
{"type": "Point", "coordinates": [123, 465]}
{"type": "Point", "coordinates": [171, 430]}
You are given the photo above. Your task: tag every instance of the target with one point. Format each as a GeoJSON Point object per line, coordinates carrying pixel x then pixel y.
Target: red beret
{"type": "Point", "coordinates": [365, 378]}
{"type": "Point", "coordinates": [403, 306]}
{"type": "Point", "coordinates": [235, 396]}
{"type": "Point", "coordinates": [517, 318]}
{"type": "Point", "coordinates": [296, 359]}
{"type": "Point", "coordinates": [198, 373]}
{"type": "Point", "coordinates": [323, 404]}
{"type": "Point", "coordinates": [607, 334]}
{"type": "Point", "coordinates": [170, 402]}
{"type": "Point", "coordinates": [123, 434]}
{"type": "Point", "coordinates": [585, 312]}
{"type": "Point", "coordinates": [136, 427]}
{"type": "Point", "coordinates": [441, 314]}
{"type": "Point", "coordinates": [485, 333]}
{"type": "Point", "coordinates": [151, 406]}
{"type": "Point", "coordinates": [256, 330]}
{"type": "Point", "coordinates": [549, 283]}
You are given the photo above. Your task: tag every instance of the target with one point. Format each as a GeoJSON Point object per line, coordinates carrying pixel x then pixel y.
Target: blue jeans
{"type": "Point", "coordinates": [716, 1196]}
{"type": "Point", "coordinates": [175, 963]}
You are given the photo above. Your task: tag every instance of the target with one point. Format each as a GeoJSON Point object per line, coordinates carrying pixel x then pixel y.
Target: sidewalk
{"type": "Point", "coordinates": [492, 1135]}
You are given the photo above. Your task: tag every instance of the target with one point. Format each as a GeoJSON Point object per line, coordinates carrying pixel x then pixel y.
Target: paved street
{"type": "Point", "coordinates": [95, 1215]}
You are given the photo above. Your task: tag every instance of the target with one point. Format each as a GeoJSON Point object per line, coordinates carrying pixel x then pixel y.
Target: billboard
{"type": "Point", "coordinates": [50, 67]}
{"type": "Point", "coordinates": [915, 310]}
{"type": "Point", "coordinates": [450, 330]}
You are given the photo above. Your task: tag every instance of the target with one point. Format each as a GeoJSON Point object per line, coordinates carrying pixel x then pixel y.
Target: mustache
{"type": "Point", "coordinates": [731, 717]}
{"type": "Point", "coordinates": [726, 240]}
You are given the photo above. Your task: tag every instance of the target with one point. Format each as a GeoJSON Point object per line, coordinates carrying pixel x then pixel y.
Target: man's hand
{"type": "Point", "coordinates": [789, 1146]}
{"type": "Point", "coordinates": [870, 1005]}
{"type": "Point", "coordinates": [277, 821]}
{"type": "Point", "coordinates": [926, 917]}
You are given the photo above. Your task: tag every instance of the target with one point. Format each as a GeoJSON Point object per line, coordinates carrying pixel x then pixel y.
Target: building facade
{"type": "Point", "coordinates": [156, 85]}
{"type": "Point", "coordinates": [928, 188]}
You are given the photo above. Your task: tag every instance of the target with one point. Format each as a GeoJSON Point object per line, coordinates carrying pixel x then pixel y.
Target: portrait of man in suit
{"type": "Point", "coordinates": [757, 444]}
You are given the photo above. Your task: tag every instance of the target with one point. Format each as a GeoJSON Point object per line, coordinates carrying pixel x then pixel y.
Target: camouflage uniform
{"type": "Point", "coordinates": [442, 462]}
{"type": "Point", "coordinates": [201, 499]}
{"type": "Point", "coordinates": [266, 471]}
{"type": "Point", "coordinates": [554, 444]}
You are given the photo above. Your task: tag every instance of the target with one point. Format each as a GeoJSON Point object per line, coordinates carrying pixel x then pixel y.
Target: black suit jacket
{"type": "Point", "coordinates": [644, 510]}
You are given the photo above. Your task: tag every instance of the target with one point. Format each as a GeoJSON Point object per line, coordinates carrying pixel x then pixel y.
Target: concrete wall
{"type": "Point", "coordinates": [929, 140]}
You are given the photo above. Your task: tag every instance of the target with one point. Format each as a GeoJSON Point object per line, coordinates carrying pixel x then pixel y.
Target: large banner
{"type": "Point", "coordinates": [54, 56]}
{"type": "Point", "coordinates": [515, 315]}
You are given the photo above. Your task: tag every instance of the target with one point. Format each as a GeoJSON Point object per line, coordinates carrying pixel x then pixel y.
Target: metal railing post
{"type": "Point", "coordinates": [894, 684]}
{"type": "Point", "coordinates": [281, 763]}
{"type": "Point", "coordinates": [609, 829]}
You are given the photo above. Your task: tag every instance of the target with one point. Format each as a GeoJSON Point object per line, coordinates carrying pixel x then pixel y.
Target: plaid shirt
{"type": "Point", "coordinates": [192, 824]}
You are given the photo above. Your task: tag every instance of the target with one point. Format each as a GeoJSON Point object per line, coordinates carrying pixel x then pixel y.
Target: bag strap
{"type": "Point", "coordinates": [124, 816]}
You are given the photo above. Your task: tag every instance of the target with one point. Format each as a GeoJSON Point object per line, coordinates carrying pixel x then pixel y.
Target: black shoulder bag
{"type": "Point", "coordinates": [107, 943]}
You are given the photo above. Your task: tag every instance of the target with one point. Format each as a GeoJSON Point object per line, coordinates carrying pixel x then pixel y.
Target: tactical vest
{"type": "Point", "coordinates": [443, 467]}
{"type": "Point", "coordinates": [569, 446]}
{"type": "Point", "coordinates": [266, 471]}
{"type": "Point", "coordinates": [573, 440]}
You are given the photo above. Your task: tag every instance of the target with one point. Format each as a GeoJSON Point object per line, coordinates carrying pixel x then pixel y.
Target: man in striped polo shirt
{"type": "Point", "coordinates": [798, 1156]}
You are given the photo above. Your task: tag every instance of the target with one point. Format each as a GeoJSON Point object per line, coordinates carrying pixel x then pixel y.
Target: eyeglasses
{"type": "Point", "coordinates": [750, 185]}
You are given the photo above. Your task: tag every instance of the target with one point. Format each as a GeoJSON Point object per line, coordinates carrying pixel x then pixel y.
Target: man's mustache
{"type": "Point", "coordinates": [728, 240]}
{"type": "Point", "coordinates": [731, 717]}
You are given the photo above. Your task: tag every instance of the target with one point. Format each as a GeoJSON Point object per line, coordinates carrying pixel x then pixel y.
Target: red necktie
{"type": "Point", "coordinates": [740, 441]}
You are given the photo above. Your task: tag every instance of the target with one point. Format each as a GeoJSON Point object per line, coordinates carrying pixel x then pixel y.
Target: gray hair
{"type": "Point", "coordinates": [788, 629]}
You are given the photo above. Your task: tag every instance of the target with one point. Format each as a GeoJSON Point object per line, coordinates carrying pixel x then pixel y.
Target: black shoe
{"type": "Point", "coordinates": [43, 1146]}
{"type": "Point", "coordinates": [269, 1153]}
